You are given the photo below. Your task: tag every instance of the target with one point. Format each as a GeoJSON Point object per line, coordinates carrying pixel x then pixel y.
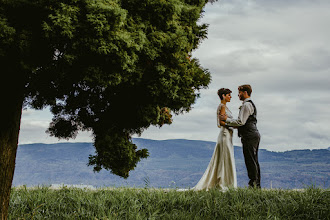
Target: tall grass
{"type": "Point", "coordinates": [136, 203]}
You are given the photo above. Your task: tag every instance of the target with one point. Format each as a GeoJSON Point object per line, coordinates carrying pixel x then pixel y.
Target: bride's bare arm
{"type": "Point", "coordinates": [222, 112]}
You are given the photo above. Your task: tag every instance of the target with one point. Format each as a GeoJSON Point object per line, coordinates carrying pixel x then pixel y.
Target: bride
{"type": "Point", "coordinates": [221, 171]}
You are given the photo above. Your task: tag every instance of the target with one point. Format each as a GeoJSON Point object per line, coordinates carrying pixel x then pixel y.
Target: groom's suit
{"type": "Point", "coordinates": [246, 124]}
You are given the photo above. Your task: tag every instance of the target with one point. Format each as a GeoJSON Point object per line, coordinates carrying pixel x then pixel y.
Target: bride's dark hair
{"type": "Point", "coordinates": [223, 91]}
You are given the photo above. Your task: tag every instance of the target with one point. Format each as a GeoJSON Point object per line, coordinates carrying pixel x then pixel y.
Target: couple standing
{"type": "Point", "coordinates": [221, 171]}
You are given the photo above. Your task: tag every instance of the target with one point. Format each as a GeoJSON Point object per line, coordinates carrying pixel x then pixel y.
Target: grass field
{"type": "Point", "coordinates": [149, 203]}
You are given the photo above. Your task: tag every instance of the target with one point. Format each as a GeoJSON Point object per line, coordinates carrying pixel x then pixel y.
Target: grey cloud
{"type": "Point", "coordinates": [289, 82]}
{"type": "Point", "coordinates": [238, 62]}
{"type": "Point", "coordinates": [312, 60]}
{"type": "Point", "coordinates": [317, 135]}
{"type": "Point", "coordinates": [271, 4]}
{"type": "Point", "coordinates": [282, 27]}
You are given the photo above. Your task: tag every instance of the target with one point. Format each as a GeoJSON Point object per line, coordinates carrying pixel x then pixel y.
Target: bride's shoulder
{"type": "Point", "coordinates": [219, 108]}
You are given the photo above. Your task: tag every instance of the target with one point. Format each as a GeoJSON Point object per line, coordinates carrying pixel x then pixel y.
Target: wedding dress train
{"type": "Point", "coordinates": [221, 171]}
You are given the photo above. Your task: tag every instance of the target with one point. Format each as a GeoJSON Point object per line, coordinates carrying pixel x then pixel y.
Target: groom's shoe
{"type": "Point", "coordinates": [254, 185]}
{"type": "Point", "coordinates": [258, 186]}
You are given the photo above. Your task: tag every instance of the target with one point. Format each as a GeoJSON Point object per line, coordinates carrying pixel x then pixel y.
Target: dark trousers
{"type": "Point", "coordinates": [250, 151]}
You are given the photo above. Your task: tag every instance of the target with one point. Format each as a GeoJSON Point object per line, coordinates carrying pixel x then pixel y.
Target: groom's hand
{"type": "Point", "coordinates": [223, 117]}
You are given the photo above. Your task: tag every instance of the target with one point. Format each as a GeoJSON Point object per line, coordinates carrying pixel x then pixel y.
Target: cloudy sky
{"type": "Point", "coordinates": [279, 47]}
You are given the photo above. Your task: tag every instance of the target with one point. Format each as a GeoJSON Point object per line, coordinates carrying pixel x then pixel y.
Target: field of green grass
{"type": "Point", "coordinates": [150, 203]}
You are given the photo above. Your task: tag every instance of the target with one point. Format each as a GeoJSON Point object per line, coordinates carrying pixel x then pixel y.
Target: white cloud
{"type": "Point", "coordinates": [33, 128]}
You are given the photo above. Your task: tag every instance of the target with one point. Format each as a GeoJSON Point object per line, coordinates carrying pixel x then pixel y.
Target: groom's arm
{"type": "Point", "coordinates": [244, 113]}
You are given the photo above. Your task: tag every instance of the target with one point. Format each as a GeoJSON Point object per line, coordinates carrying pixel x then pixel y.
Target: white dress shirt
{"type": "Point", "coordinates": [245, 111]}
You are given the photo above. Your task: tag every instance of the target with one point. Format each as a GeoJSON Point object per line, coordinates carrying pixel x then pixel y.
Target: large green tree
{"type": "Point", "coordinates": [112, 67]}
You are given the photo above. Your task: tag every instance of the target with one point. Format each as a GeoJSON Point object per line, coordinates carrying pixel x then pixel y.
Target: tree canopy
{"type": "Point", "coordinates": [113, 67]}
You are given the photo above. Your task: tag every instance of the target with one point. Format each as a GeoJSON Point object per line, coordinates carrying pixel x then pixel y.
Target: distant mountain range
{"type": "Point", "coordinates": [172, 163]}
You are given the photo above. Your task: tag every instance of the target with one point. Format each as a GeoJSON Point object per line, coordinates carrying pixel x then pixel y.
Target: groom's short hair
{"type": "Point", "coordinates": [223, 91]}
{"type": "Point", "coordinates": [246, 88]}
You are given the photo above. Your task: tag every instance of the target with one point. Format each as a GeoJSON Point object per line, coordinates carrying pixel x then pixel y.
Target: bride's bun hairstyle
{"type": "Point", "coordinates": [223, 91]}
{"type": "Point", "coordinates": [246, 88]}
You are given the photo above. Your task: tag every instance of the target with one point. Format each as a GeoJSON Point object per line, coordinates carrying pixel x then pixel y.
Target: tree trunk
{"type": "Point", "coordinates": [10, 119]}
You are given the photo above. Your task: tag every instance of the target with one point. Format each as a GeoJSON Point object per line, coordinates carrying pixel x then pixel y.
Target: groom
{"type": "Point", "coordinates": [246, 124]}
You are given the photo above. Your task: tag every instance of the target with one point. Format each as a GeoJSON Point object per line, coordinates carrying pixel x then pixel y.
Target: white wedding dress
{"type": "Point", "coordinates": [221, 171]}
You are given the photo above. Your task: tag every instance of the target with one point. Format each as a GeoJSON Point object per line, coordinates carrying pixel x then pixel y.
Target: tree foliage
{"type": "Point", "coordinates": [112, 67]}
